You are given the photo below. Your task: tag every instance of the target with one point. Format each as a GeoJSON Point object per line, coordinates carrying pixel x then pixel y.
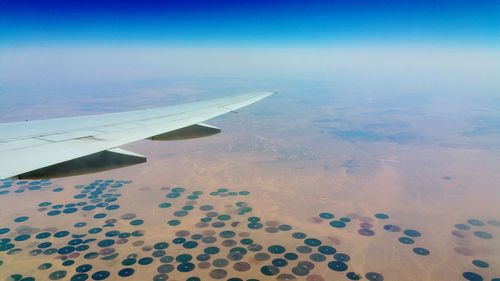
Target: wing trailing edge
{"type": "Point", "coordinates": [97, 162]}
{"type": "Point", "coordinates": [190, 132]}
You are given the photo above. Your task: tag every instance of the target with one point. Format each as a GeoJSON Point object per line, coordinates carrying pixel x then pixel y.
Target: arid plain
{"type": "Point", "coordinates": [309, 184]}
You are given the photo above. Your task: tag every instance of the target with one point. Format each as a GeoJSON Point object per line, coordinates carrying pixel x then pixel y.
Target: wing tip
{"type": "Point", "coordinates": [263, 95]}
{"type": "Point", "coordinates": [268, 93]}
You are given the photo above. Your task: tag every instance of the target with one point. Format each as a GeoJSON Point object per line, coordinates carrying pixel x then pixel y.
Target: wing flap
{"type": "Point", "coordinates": [19, 144]}
{"type": "Point", "coordinates": [190, 132]}
{"type": "Point", "coordinates": [69, 135]}
{"type": "Point", "coordinates": [96, 162]}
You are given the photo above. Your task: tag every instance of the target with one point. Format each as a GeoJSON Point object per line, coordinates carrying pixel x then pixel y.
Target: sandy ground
{"type": "Point", "coordinates": [293, 172]}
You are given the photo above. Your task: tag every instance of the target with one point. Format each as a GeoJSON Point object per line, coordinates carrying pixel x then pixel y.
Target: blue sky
{"type": "Point", "coordinates": [250, 23]}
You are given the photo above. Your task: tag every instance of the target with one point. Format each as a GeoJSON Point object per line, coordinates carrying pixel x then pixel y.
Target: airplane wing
{"type": "Point", "coordinates": [79, 145]}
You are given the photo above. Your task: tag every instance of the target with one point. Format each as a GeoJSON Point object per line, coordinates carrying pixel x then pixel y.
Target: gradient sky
{"type": "Point", "coordinates": [250, 22]}
{"type": "Point", "coordinates": [51, 47]}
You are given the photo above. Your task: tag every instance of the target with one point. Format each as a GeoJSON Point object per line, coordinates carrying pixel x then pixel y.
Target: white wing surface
{"type": "Point", "coordinates": [61, 147]}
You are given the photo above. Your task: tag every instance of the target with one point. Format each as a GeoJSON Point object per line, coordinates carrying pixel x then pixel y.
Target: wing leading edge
{"type": "Point", "coordinates": [29, 147]}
